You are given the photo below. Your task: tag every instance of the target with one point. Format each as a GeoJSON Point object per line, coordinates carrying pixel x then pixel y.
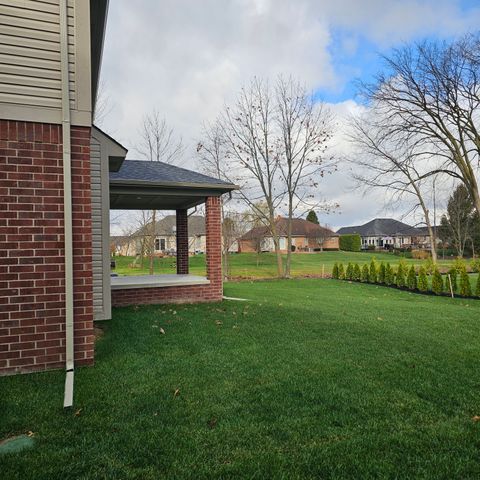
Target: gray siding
{"type": "Point", "coordinates": [100, 231]}
{"type": "Point", "coordinates": [30, 67]}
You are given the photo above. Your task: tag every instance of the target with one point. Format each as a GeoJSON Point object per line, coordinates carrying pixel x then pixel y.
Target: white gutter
{"type": "Point", "coordinates": [67, 205]}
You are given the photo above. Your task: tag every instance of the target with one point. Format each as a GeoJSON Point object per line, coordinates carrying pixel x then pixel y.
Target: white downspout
{"type": "Point", "coordinates": [67, 205]}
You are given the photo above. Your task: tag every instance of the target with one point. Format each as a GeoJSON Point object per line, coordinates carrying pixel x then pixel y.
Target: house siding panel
{"type": "Point", "coordinates": [100, 229]}
{"type": "Point", "coordinates": [95, 159]}
{"type": "Point", "coordinates": [30, 65]}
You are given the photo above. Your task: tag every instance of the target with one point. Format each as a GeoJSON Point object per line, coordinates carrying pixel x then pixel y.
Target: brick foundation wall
{"type": "Point", "coordinates": [156, 295]}
{"type": "Point", "coordinates": [32, 282]}
{"type": "Point", "coordinates": [186, 294]}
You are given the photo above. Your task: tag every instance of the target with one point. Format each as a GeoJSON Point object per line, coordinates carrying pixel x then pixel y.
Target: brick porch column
{"type": "Point", "coordinates": [182, 242]}
{"type": "Point", "coordinates": [213, 224]}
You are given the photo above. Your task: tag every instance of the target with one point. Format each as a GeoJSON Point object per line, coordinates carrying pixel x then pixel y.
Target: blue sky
{"type": "Point", "coordinates": [355, 56]}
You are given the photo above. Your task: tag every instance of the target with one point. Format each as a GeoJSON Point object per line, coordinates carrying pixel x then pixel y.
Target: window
{"type": "Point", "coordinates": [159, 244]}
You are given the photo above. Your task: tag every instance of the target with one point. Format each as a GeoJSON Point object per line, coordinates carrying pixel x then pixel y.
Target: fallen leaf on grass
{"type": "Point", "coordinates": [31, 434]}
{"type": "Point", "coordinates": [212, 423]}
{"type": "Point", "coordinates": [77, 413]}
{"type": "Point", "coordinates": [162, 331]}
{"type": "Point", "coordinates": [218, 322]}
{"type": "Point", "coordinates": [476, 418]}
{"type": "Point", "coordinates": [176, 393]}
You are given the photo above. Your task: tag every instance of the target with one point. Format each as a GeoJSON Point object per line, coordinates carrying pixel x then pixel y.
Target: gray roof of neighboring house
{"type": "Point", "coordinates": [380, 226]}
{"type": "Point", "coordinates": [159, 172]}
{"type": "Point", "coordinates": [167, 225]}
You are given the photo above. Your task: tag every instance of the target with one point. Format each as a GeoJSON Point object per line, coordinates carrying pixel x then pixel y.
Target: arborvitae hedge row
{"type": "Point", "coordinates": [465, 286]}
{"type": "Point", "coordinates": [335, 270]}
{"type": "Point", "coordinates": [412, 279]}
{"type": "Point", "coordinates": [437, 282]}
{"type": "Point", "coordinates": [372, 273]}
{"type": "Point", "coordinates": [381, 273]}
{"type": "Point", "coordinates": [365, 276]}
{"type": "Point", "coordinates": [422, 281]}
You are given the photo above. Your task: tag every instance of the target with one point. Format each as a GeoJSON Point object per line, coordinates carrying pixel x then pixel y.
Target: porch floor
{"type": "Point", "coordinates": [151, 281]}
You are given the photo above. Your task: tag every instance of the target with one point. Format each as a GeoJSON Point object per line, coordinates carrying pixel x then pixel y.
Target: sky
{"type": "Point", "coordinates": [188, 58]}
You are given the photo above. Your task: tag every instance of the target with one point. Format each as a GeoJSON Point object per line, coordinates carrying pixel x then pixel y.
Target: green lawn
{"type": "Point", "coordinates": [251, 265]}
{"type": "Point", "coordinates": [309, 379]}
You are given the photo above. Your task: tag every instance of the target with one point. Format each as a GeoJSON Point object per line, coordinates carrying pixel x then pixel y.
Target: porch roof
{"type": "Point", "coordinates": [141, 185]}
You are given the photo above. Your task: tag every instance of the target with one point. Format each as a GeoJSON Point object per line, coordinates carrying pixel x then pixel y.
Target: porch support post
{"type": "Point", "coordinates": [182, 242]}
{"type": "Point", "coordinates": [213, 225]}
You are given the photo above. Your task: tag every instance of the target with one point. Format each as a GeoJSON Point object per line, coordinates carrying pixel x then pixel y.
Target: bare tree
{"type": "Point", "coordinates": [212, 154]}
{"type": "Point", "coordinates": [158, 143]}
{"type": "Point", "coordinates": [234, 226]}
{"type": "Point", "coordinates": [305, 127]}
{"type": "Point", "coordinates": [248, 132]}
{"type": "Point", "coordinates": [431, 96]}
{"type": "Point", "coordinates": [391, 166]}
{"type": "Point", "coordinates": [141, 237]}
{"type": "Point", "coordinates": [103, 105]}
{"type": "Point", "coordinates": [272, 143]}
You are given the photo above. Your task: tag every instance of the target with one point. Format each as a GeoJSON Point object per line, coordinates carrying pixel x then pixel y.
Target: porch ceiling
{"type": "Point", "coordinates": [144, 185]}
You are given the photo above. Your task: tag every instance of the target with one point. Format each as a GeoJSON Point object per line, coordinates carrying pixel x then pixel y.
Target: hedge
{"type": "Point", "coordinates": [406, 277]}
{"type": "Point", "coordinates": [350, 242]}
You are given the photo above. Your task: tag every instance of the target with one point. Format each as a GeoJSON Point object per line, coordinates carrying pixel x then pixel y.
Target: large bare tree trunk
{"type": "Point", "coordinates": [426, 214]}
{"type": "Point", "coordinates": [288, 263]}
{"type": "Point", "coordinates": [276, 243]}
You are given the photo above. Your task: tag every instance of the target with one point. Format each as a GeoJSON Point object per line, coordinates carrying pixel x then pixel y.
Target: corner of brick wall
{"type": "Point", "coordinates": [32, 285]}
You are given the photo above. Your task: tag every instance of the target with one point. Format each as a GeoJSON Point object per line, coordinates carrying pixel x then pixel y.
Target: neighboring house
{"type": "Point", "coordinates": [306, 237]}
{"type": "Point", "coordinates": [166, 235]}
{"type": "Point", "coordinates": [385, 233]}
{"type": "Point", "coordinates": [422, 238]}
{"type": "Point", "coordinates": [59, 176]}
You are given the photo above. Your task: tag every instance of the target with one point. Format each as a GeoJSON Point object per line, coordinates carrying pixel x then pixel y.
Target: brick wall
{"type": "Point", "coordinates": [182, 241]}
{"type": "Point", "coordinates": [32, 297]}
{"type": "Point", "coordinates": [187, 294]}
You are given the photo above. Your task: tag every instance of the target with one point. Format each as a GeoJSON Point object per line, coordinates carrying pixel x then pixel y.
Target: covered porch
{"type": "Point", "coordinates": [145, 185]}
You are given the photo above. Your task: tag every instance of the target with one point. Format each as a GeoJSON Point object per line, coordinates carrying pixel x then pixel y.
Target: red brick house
{"type": "Point", "coordinates": [59, 175]}
{"type": "Point", "coordinates": [306, 237]}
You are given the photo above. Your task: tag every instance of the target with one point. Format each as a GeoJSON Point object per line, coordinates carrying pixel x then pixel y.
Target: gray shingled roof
{"type": "Point", "coordinates": [166, 226]}
{"type": "Point", "coordinates": [163, 173]}
{"type": "Point", "coordinates": [300, 227]}
{"type": "Point", "coordinates": [378, 227]}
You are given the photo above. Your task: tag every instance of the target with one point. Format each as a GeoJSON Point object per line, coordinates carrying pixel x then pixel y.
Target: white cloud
{"type": "Point", "coordinates": [187, 58]}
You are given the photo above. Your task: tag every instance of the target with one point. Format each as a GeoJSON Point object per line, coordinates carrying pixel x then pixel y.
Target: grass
{"type": "Point", "coordinates": [251, 265]}
{"type": "Point", "coordinates": [309, 379]}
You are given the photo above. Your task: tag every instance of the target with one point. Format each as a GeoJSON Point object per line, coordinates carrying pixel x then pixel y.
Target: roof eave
{"type": "Point", "coordinates": [98, 21]}
{"type": "Point", "coordinates": [220, 187]}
